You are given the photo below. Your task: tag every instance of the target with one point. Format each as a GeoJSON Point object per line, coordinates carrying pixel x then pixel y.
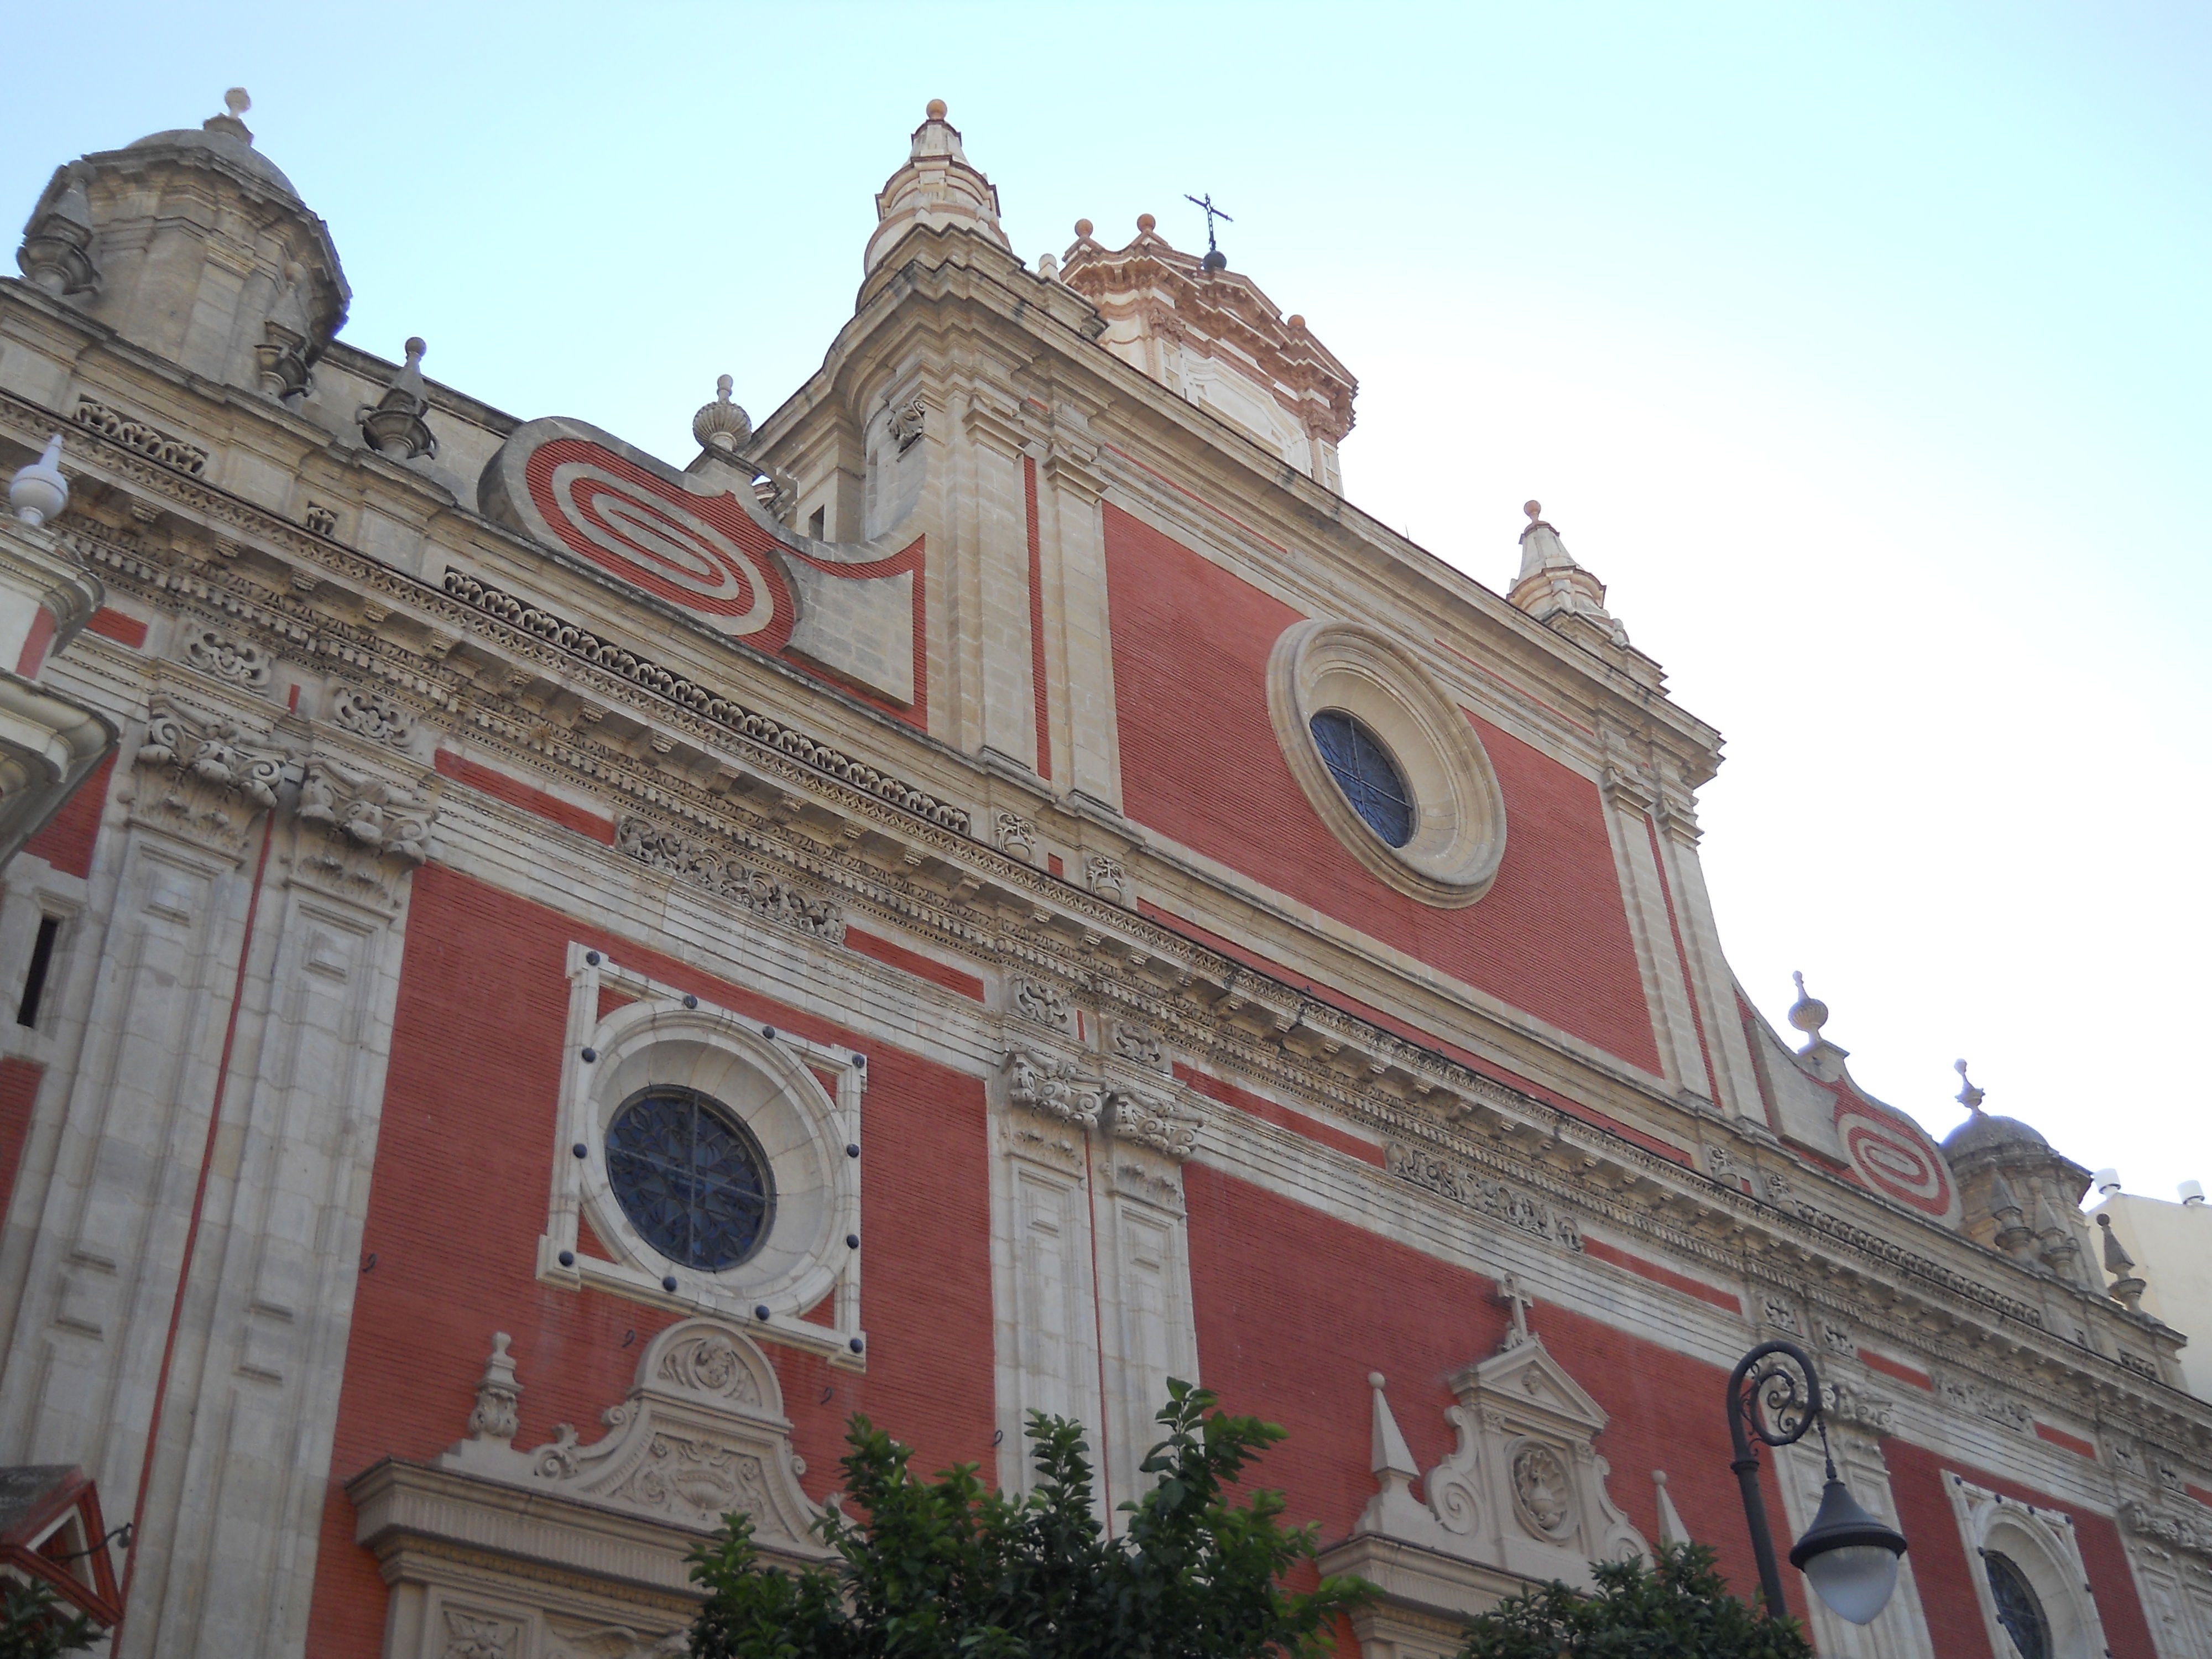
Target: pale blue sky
{"type": "Point", "coordinates": [1862, 349]}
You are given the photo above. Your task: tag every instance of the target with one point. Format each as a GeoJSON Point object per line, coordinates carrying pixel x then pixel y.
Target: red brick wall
{"type": "Point", "coordinates": [1199, 763]}
{"type": "Point", "coordinates": [1946, 1575]}
{"type": "Point", "coordinates": [19, 1093]}
{"type": "Point", "coordinates": [459, 1201]}
{"type": "Point", "coordinates": [531, 799]}
{"type": "Point", "coordinates": [1294, 1308]}
{"type": "Point", "coordinates": [67, 839]}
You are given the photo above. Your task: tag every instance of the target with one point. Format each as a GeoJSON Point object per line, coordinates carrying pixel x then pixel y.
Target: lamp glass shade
{"type": "Point", "coordinates": [1856, 1580]}
{"type": "Point", "coordinates": [1849, 1557]}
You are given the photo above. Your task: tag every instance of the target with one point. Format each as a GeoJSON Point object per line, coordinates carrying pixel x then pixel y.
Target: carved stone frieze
{"type": "Point", "coordinates": [206, 779]}
{"type": "Point", "coordinates": [724, 711]}
{"type": "Point", "coordinates": [1168, 1127]}
{"type": "Point", "coordinates": [705, 866]}
{"type": "Point", "coordinates": [1450, 1178]}
{"type": "Point", "coordinates": [2177, 1532]}
{"type": "Point", "coordinates": [1053, 1087]}
{"type": "Point", "coordinates": [701, 1435]}
{"type": "Point", "coordinates": [156, 445]}
{"type": "Point", "coordinates": [1965, 1394]}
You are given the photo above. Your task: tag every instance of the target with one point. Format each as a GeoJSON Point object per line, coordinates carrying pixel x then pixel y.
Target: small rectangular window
{"type": "Point", "coordinates": [814, 526]}
{"type": "Point", "coordinates": [34, 981]}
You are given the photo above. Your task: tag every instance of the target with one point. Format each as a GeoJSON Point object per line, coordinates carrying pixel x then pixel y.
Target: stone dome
{"type": "Point", "coordinates": [1983, 1132]}
{"type": "Point", "coordinates": [239, 153]}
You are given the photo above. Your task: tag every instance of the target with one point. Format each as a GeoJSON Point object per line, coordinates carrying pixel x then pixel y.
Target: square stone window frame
{"type": "Point", "coordinates": [578, 1185]}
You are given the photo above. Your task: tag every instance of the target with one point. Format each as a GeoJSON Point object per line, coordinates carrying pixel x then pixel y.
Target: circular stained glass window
{"type": "Point", "coordinates": [1363, 768]}
{"type": "Point", "coordinates": [691, 1177]}
{"type": "Point", "coordinates": [2018, 1609]}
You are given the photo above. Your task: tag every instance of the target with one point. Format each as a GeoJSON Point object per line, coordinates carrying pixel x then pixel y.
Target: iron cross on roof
{"type": "Point", "coordinates": [1213, 257]}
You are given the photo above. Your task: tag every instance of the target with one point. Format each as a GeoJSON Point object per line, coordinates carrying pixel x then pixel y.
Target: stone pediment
{"type": "Point", "coordinates": [701, 1434]}
{"type": "Point", "coordinates": [1523, 1492]}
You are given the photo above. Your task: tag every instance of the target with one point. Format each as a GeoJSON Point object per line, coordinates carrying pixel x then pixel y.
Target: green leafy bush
{"type": "Point", "coordinates": [1680, 1608]}
{"type": "Point", "coordinates": [949, 1569]}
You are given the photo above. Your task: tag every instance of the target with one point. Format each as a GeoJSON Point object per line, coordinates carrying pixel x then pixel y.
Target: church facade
{"type": "Point", "coordinates": [991, 890]}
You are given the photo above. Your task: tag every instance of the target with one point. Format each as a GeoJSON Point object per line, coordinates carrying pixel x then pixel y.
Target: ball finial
{"type": "Point", "coordinates": [1533, 509]}
{"type": "Point", "coordinates": [236, 102]}
{"type": "Point", "coordinates": [1374, 1379]}
{"type": "Point", "coordinates": [1808, 1013]}
{"type": "Point", "coordinates": [1296, 320]}
{"type": "Point", "coordinates": [1145, 223]}
{"type": "Point", "coordinates": [936, 109]}
{"type": "Point", "coordinates": [1084, 227]}
{"type": "Point", "coordinates": [415, 347]}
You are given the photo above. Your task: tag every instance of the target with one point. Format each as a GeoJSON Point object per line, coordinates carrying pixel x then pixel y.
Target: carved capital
{"type": "Point", "coordinates": [361, 835]}
{"type": "Point", "coordinates": [1167, 1126]}
{"type": "Point", "coordinates": [1052, 1087]}
{"type": "Point", "coordinates": [207, 779]}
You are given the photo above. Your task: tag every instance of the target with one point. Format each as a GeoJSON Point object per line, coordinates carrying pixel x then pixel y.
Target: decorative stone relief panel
{"type": "Point", "coordinates": [705, 866]}
{"type": "Point", "coordinates": [1041, 1001]}
{"type": "Point", "coordinates": [1139, 1043]}
{"type": "Point", "coordinates": [227, 659]}
{"type": "Point", "coordinates": [1015, 835]}
{"type": "Point", "coordinates": [367, 715]}
{"type": "Point", "coordinates": [1461, 1182]}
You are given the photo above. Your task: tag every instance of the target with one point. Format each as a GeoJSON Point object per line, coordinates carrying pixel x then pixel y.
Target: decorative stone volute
{"type": "Point", "coordinates": [190, 244]}
{"type": "Point", "coordinates": [938, 189]}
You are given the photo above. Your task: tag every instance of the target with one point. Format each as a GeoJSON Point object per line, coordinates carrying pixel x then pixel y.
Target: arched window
{"type": "Point", "coordinates": [691, 1177]}
{"type": "Point", "coordinates": [1368, 775]}
{"type": "Point", "coordinates": [2018, 1608]}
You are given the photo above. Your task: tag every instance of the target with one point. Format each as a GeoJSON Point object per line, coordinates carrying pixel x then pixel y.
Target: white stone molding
{"type": "Point", "coordinates": [2040, 1542]}
{"type": "Point", "coordinates": [1459, 827]}
{"type": "Point", "coordinates": [768, 1079]}
{"type": "Point", "coordinates": [1044, 1292]}
{"type": "Point", "coordinates": [701, 1434]}
{"type": "Point", "coordinates": [1464, 1184]}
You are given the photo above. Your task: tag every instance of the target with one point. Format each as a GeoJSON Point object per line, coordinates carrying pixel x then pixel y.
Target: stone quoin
{"type": "Point", "coordinates": [549, 976]}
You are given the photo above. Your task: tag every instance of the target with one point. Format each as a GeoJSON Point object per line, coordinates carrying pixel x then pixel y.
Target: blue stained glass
{"type": "Point", "coordinates": [691, 1178]}
{"type": "Point", "coordinates": [1363, 768]}
{"type": "Point", "coordinates": [2018, 1609]}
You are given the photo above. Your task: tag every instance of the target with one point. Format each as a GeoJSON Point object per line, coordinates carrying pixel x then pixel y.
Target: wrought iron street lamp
{"type": "Point", "coordinates": [1849, 1557]}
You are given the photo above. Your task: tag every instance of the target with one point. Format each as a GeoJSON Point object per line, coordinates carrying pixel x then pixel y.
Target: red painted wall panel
{"type": "Point", "coordinates": [67, 839]}
{"type": "Point", "coordinates": [1199, 763]}
{"type": "Point", "coordinates": [1294, 1308]}
{"type": "Point", "coordinates": [1946, 1575]}
{"type": "Point", "coordinates": [19, 1093]}
{"type": "Point", "coordinates": [458, 1201]}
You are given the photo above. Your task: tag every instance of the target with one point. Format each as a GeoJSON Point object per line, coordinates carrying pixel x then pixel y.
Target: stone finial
{"type": "Point", "coordinates": [1968, 1095]}
{"type": "Point", "coordinates": [1388, 1453]}
{"type": "Point", "coordinates": [39, 492]}
{"type": "Point", "coordinates": [282, 354]}
{"type": "Point", "coordinates": [722, 426]}
{"type": "Point", "coordinates": [1671, 1529]}
{"type": "Point", "coordinates": [56, 256]}
{"type": "Point", "coordinates": [938, 189]}
{"type": "Point", "coordinates": [1808, 1013]}
{"type": "Point", "coordinates": [498, 1394]}
{"type": "Point", "coordinates": [235, 103]}
{"type": "Point", "coordinates": [1082, 229]}
{"type": "Point", "coordinates": [2127, 1287]}
{"type": "Point", "coordinates": [1049, 267]}
{"type": "Point", "coordinates": [394, 425]}
{"type": "Point", "coordinates": [1553, 588]}
{"type": "Point", "coordinates": [2003, 1201]}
